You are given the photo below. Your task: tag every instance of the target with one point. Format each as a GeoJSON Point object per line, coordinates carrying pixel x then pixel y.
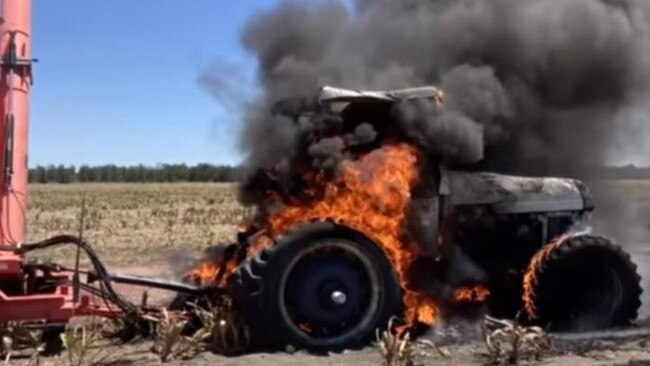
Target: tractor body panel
{"type": "Point", "coordinates": [513, 194]}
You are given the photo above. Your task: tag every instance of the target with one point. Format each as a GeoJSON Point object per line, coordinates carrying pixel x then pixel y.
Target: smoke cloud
{"type": "Point", "coordinates": [531, 86]}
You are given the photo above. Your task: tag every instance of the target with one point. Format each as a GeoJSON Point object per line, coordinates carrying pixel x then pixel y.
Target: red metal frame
{"type": "Point", "coordinates": [55, 308]}
{"type": "Point", "coordinates": [15, 83]}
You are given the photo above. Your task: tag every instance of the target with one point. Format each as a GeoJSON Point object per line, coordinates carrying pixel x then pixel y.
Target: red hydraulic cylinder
{"type": "Point", "coordinates": [15, 85]}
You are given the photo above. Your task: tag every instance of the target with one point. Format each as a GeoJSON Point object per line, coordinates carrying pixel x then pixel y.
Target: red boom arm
{"type": "Point", "coordinates": [16, 75]}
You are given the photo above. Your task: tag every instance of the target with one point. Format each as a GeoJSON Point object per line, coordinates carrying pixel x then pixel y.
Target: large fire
{"type": "Point", "coordinates": [370, 194]}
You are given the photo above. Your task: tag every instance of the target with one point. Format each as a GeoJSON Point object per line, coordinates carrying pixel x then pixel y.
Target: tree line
{"type": "Point", "coordinates": [622, 172]}
{"type": "Point", "coordinates": [221, 173]}
{"type": "Point", "coordinates": [136, 174]}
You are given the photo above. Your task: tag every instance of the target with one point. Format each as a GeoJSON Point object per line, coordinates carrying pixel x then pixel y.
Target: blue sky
{"type": "Point", "coordinates": [117, 80]}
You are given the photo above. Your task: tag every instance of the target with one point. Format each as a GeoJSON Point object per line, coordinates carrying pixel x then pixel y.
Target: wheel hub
{"type": "Point", "coordinates": [339, 297]}
{"type": "Point", "coordinates": [328, 293]}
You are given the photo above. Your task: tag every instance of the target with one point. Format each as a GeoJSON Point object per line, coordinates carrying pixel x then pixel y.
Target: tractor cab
{"type": "Point", "coordinates": [353, 103]}
{"type": "Point", "coordinates": [338, 98]}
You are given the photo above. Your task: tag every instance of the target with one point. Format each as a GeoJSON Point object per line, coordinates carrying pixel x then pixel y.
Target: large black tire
{"type": "Point", "coordinates": [322, 287]}
{"type": "Point", "coordinates": [585, 283]}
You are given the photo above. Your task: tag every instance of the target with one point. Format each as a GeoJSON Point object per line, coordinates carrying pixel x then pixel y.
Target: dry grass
{"type": "Point", "coordinates": [85, 345]}
{"type": "Point", "coordinates": [508, 342]}
{"type": "Point", "coordinates": [396, 350]}
{"type": "Point", "coordinates": [133, 223]}
{"type": "Point", "coordinates": [221, 331]}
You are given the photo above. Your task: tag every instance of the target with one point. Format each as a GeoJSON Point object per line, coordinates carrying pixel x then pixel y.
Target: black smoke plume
{"type": "Point", "coordinates": [531, 86]}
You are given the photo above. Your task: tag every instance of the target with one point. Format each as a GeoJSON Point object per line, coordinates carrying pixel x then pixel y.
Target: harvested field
{"type": "Point", "coordinates": [130, 224]}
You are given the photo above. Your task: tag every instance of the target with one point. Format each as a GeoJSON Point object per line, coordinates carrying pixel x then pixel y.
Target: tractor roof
{"type": "Point", "coordinates": [332, 94]}
{"type": "Point", "coordinates": [338, 99]}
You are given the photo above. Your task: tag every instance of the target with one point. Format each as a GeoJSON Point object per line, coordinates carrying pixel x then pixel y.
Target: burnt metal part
{"type": "Point", "coordinates": [333, 94]}
{"type": "Point", "coordinates": [512, 194]}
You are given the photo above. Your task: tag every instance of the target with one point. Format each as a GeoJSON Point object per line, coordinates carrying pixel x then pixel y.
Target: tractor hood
{"type": "Point", "coordinates": [512, 194]}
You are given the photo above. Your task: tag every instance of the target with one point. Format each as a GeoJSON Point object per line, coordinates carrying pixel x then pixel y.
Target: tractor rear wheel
{"type": "Point", "coordinates": [322, 287]}
{"type": "Point", "coordinates": [584, 283]}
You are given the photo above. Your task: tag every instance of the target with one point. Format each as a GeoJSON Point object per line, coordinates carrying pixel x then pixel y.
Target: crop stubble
{"type": "Point", "coordinates": [132, 224]}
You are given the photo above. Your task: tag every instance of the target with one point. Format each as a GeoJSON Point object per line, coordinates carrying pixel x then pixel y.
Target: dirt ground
{"type": "Point", "coordinates": [463, 342]}
{"type": "Point", "coordinates": [617, 348]}
{"type": "Point", "coordinates": [626, 217]}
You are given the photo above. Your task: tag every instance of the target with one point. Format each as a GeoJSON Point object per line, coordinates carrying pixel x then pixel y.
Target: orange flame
{"type": "Point", "coordinates": [530, 278]}
{"type": "Point", "coordinates": [471, 294]}
{"type": "Point", "coordinates": [371, 195]}
{"type": "Point", "coordinates": [207, 272]}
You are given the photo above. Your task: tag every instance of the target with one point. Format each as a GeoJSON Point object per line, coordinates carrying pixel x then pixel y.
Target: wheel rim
{"type": "Point", "coordinates": [598, 295]}
{"type": "Point", "coordinates": [328, 291]}
{"type": "Point", "coordinates": [590, 296]}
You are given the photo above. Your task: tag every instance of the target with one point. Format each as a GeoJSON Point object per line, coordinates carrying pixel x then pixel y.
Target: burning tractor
{"type": "Point", "coordinates": [363, 224]}
{"type": "Point", "coordinates": [359, 222]}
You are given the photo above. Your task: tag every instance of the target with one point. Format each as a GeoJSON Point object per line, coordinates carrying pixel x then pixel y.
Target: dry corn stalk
{"type": "Point", "coordinates": [508, 341]}
{"type": "Point", "coordinates": [222, 330]}
{"type": "Point", "coordinates": [170, 342]}
{"type": "Point", "coordinates": [83, 344]}
{"type": "Point", "coordinates": [396, 349]}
